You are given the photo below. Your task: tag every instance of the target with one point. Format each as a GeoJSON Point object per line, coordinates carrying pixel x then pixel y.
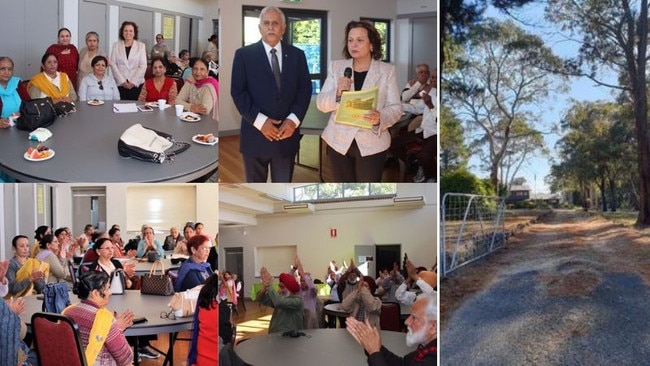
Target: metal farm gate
{"type": "Point", "coordinates": [471, 227]}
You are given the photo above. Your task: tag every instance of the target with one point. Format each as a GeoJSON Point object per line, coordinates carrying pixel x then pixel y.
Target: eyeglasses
{"type": "Point", "coordinates": [6, 69]}
{"type": "Point", "coordinates": [168, 315]}
{"type": "Point", "coordinates": [101, 86]}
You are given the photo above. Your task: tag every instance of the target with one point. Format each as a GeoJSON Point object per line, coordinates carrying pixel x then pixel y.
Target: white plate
{"type": "Point", "coordinates": [26, 156]}
{"type": "Point", "coordinates": [95, 102]}
{"type": "Point", "coordinates": [155, 105]}
{"type": "Point", "coordinates": [190, 117]}
{"type": "Point", "coordinates": [214, 140]}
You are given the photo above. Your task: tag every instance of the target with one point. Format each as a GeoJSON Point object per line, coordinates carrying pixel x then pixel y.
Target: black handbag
{"type": "Point", "coordinates": [149, 145]}
{"type": "Point", "coordinates": [64, 108]}
{"type": "Point", "coordinates": [36, 113]}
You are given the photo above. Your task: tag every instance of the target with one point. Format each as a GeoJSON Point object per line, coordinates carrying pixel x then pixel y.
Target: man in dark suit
{"type": "Point", "coordinates": [271, 89]}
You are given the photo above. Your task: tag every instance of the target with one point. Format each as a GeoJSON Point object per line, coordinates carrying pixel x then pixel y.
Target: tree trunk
{"type": "Point", "coordinates": [612, 195]}
{"type": "Point", "coordinates": [602, 186]}
{"type": "Point", "coordinates": [638, 79]}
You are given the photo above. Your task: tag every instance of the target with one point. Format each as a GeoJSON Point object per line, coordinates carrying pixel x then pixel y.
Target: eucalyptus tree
{"type": "Point", "coordinates": [499, 91]}
{"type": "Point", "coordinates": [613, 35]}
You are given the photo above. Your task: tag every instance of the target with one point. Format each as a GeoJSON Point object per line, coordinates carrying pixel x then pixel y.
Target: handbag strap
{"type": "Point", "coordinates": [152, 271]}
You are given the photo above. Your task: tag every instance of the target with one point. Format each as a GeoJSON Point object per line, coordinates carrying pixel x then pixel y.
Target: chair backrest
{"type": "Point", "coordinates": [389, 318]}
{"type": "Point", "coordinates": [53, 333]}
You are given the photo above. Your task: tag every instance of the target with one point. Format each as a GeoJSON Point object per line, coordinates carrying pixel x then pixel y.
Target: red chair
{"type": "Point", "coordinates": [53, 333]}
{"type": "Point", "coordinates": [389, 318]}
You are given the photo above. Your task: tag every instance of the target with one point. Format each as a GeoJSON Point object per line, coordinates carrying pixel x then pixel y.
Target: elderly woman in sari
{"type": "Point", "coordinates": [200, 94]}
{"type": "Point", "coordinates": [52, 83]}
{"type": "Point", "coordinates": [24, 273]}
{"type": "Point", "coordinates": [88, 53]}
{"type": "Point", "coordinates": [67, 55]}
{"type": "Point", "coordinates": [9, 97]}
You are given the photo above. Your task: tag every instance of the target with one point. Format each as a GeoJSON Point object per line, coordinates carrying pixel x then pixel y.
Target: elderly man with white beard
{"type": "Point", "coordinates": [422, 331]}
{"type": "Point", "coordinates": [288, 307]}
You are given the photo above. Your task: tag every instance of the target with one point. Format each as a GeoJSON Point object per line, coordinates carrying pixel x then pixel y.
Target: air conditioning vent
{"type": "Point", "coordinates": [298, 208]}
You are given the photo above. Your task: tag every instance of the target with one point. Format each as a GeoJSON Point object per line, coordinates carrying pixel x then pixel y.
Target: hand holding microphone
{"type": "Point", "coordinates": [344, 83]}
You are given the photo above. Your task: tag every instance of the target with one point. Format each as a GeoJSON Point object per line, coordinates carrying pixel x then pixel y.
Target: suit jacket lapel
{"type": "Point", "coordinates": [373, 75]}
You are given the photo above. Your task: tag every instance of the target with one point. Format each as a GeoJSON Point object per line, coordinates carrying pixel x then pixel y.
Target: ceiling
{"type": "Point", "coordinates": [242, 204]}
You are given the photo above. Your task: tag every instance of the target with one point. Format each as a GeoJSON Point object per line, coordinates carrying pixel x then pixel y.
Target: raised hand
{"type": "Point", "coordinates": [125, 320]}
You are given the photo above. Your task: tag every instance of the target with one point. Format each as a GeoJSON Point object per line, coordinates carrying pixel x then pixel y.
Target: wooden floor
{"type": "Point", "coordinates": [253, 321]}
{"type": "Point", "coordinates": [231, 166]}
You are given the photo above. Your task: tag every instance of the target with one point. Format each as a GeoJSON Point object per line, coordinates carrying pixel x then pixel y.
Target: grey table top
{"type": "Point", "coordinates": [149, 306]}
{"type": "Point", "coordinates": [335, 309]}
{"type": "Point", "coordinates": [145, 267]}
{"type": "Point", "coordinates": [85, 146]}
{"type": "Point", "coordinates": [324, 347]}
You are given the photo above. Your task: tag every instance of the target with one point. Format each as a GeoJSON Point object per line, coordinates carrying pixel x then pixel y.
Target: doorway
{"type": "Point", "coordinates": [235, 261]}
{"type": "Point", "coordinates": [387, 255]}
{"type": "Point", "coordinates": [88, 207]}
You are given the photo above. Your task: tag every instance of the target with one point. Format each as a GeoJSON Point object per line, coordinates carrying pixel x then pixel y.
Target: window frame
{"type": "Point", "coordinates": [388, 22]}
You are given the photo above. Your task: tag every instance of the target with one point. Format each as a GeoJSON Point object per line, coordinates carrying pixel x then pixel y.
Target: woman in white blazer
{"type": "Point", "coordinates": [358, 154]}
{"type": "Point", "coordinates": [129, 62]}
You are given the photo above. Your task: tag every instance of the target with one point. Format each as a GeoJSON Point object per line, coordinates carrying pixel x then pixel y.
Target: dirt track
{"type": "Point", "coordinates": [570, 290]}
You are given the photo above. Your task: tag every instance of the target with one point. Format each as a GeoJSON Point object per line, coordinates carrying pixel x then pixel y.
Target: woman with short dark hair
{"type": "Point", "coordinates": [97, 86]}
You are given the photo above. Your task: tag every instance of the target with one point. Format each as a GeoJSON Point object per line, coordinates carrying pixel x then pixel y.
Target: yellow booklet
{"type": "Point", "coordinates": [354, 105]}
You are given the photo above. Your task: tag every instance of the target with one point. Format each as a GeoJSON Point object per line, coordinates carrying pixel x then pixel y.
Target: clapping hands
{"type": "Point", "coordinates": [267, 278]}
{"type": "Point", "coordinates": [364, 333]}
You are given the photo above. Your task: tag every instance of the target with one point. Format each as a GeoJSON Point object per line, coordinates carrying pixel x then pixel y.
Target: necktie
{"type": "Point", "coordinates": [275, 65]}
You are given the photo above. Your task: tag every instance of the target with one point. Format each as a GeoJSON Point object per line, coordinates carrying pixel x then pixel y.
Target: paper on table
{"type": "Point", "coordinates": [354, 104]}
{"type": "Point", "coordinates": [124, 108]}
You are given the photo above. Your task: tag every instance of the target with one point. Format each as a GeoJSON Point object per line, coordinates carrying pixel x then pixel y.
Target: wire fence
{"type": "Point", "coordinates": [471, 227]}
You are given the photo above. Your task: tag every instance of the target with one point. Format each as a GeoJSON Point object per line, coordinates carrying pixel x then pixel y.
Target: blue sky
{"type": "Point", "coordinates": [531, 19]}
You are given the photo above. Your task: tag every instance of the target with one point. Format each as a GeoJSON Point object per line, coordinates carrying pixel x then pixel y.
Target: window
{"type": "Point", "coordinates": [343, 191]}
{"type": "Point", "coordinates": [383, 27]}
{"type": "Point", "coordinates": [306, 29]}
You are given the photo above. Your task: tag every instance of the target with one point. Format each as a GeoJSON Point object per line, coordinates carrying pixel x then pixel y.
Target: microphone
{"type": "Point", "coordinates": [348, 74]}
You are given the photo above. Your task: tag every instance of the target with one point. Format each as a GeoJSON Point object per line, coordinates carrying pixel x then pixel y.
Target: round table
{"type": "Point", "coordinates": [335, 310]}
{"type": "Point", "coordinates": [321, 347]}
{"type": "Point", "coordinates": [148, 306]}
{"type": "Point", "coordinates": [85, 146]}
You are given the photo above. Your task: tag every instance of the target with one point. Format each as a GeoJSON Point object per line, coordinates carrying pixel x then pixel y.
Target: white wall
{"type": "Point", "coordinates": [207, 212]}
{"type": "Point", "coordinates": [415, 229]}
{"type": "Point", "coordinates": [340, 13]}
{"type": "Point", "coordinates": [206, 9]}
{"type": "Point", "coordinates": [416, 6]}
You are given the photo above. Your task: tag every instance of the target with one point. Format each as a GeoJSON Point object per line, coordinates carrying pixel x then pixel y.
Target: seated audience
{"type": "Point", "coordinates": [116, 238]}
{"type": "Point", "coordinates": [9, 97]}
{"type": "Point", "coordinates": [172, 239]}
{"type": "Point", "coordinates": [149, 245]}
{"type": "Point", "coordinates": [101, 333]}
{"type": "Point", "coordinates": [67, 246]}
{"type": "Point", "coordinates": [97, 85]}
{"type": "Point", "coordinates": [131, 249]}
{"type": "Point", "coordinates": [181, 246]}
{"type": "Point", "coordinates": [39, 233]}
{"type": "Point", "coordinates": [288, 308]}
{"type": "Point", "coordinates": [348, 280]}
{"type": "Point", "coordinates": [422, 331]}
{"type": "Point", "coordinates": [25, 274]}
{"type": "Point", "coordinates": [426, 281]}
{"type": "Point", "coordinates": [391, 283]}
{"type": "Point", "coordinates": [52, 83]}
{"type": "Point", "coordinates": [200, 94]}
{"type": "Point", "coordinates": [159, 86]}
{"type": "Point", "coordinates": [91, 255]}
{"type": "Point", "coordinates": [203, 348]}
{"type": "Point", "coordinates": [414, 87]}
{"type": "Point", "coordinates": [12, 329]}
{"type": "Point", "coordinates": [106, 262]}
{"type": "Point", "coordinates": [187, 73]}
{"type": "Point", "coordinates": [183, 60]}
{"type": "Point", "coordinates": [227, 289]}
{"type": "Point", "coordinates": [361, 303]}
{"type": "Point", "coordinates": [309, 295]}
{"type": "Point", "coordinates": [160, 50]}
{"type": "Point", "coordinates": [50, 254]}
{"type": "Point", "coordinates": [195, 270]}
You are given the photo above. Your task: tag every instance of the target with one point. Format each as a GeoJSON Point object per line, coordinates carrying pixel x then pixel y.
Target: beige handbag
{"type": "Point", "coordinates": [183, 304]}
